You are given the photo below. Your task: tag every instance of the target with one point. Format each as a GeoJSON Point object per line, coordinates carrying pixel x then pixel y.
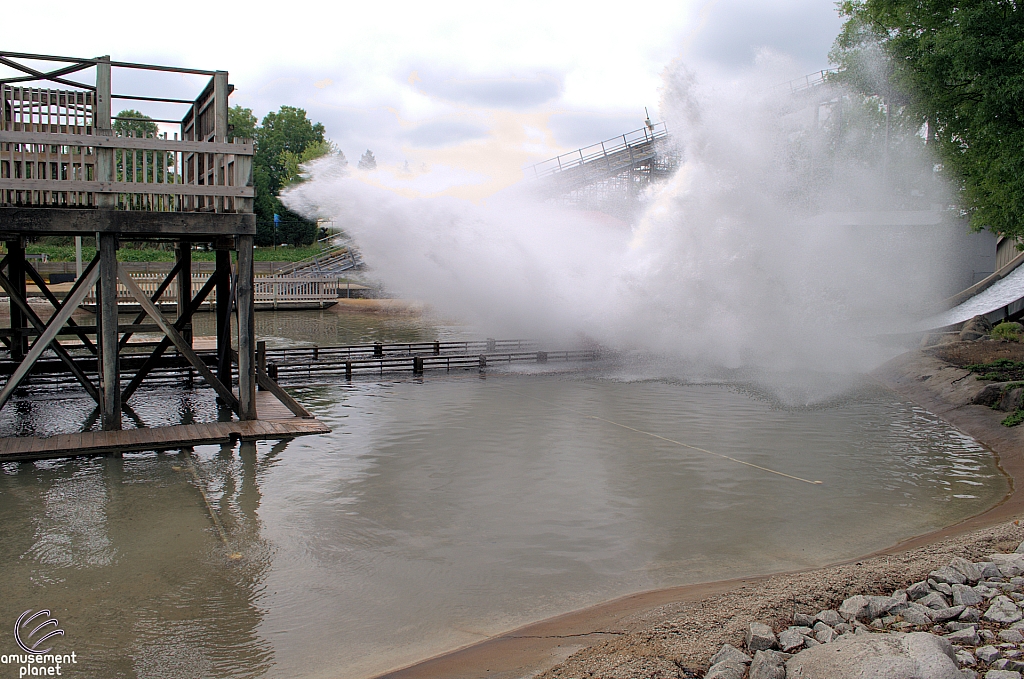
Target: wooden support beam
{"type": "Point", "coordinates": [224, 304]}
{"type": "Point", "coordinates": [56, 322]}
{"type": "Point", "coordinates": [106, 319]}
{"type": "Point", "coordinates": [246, 331]}
{"type": "Point", "coordinates": [128, 223]}
{"type": "Point", "coordinates": [178, 341]}
{"type": "Point", "coordinates": [267, 384]}
{"type": "Point", "coordinates": [16, 275]}
{"type": "Point", "coordinates": [42, 329]}
{"type": "Point", "coordinates": [57, 304]}
{"type": "Point", "coordinates": [183, 255]}
{"type": "Point", "coordinates": [155, 298]}
{"type": "Point", "coordinates": [165, 343]}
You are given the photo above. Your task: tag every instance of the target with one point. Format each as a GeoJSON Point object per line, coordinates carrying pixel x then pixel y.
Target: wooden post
{"type": "Point", "coordinates": [183, 254]}
{"type": "Point", "coordinates": [220, 131]}
{"type": "Point", "coordinates": [348, 370]}
{"type": "Point", "coordinates": [106, 318]}
{"type": "Point", "coordinates": [223, 274]}
{"type": "Point", "coordinates": [417, 365]}
{"type": "Point", "coordinates": [102, 126]}
{"type": "Point", "coordinates": [261, 360]}
{"type": "Point", "coordinates": [246, 332]}
{"type": "Point", "coordinates": [16, 274]}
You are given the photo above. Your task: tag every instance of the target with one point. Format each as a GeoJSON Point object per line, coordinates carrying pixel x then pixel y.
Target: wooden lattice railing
{"type": "Point", "coordinates": [51, 156]}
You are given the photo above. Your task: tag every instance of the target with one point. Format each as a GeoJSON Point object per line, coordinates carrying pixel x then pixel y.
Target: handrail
{"type": "Point", "coordinates": [604, 150]}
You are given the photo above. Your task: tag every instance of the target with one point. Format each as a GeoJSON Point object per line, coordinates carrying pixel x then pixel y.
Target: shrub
{"type": "Point", "coordinates": [1008, 331]}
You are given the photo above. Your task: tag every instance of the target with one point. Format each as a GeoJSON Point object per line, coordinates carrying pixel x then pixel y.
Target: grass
{"type": "Point", "coordinates": [127, 253]}
{"type": "Point", "coordinates": [1007, 331]}
{"type": "Point", "coordinates": [1001, 370]}
{"type": "Point", "coordinates": [1014, 419]}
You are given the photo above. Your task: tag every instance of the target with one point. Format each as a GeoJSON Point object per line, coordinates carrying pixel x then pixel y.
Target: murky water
{"type": "Point", "coordinates": [449, 508]}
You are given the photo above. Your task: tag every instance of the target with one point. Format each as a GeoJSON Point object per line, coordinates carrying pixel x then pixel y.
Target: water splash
{"type": "Point", "coordinates": [734, 265]}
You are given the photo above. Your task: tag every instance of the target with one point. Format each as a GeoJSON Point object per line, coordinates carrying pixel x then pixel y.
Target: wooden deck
{"type": "Point", "coordinates": [276, 422]}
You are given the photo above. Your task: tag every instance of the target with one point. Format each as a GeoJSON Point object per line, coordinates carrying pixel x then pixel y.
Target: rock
{"type": "Point", "coordinates": [1009, 565]}
{"type": "Point", "coordinates": [917, 655]}
{"type": "Point", "coordinates": [918, 590]}
{"type": "Point", "coordinates": [825, 635]}
{"type": "Point", "coordinates": [965, 596]}
{"type": "Point", "coordinates": [967, 637]}
{"type": "Point", "coordinates": [810, 642]}
{"type": "Point", "coordinates": [941, 587]}
{"type": "Point", "coordinates": [989, 569]}
{"type": "Point", "coordinates": [1003, 611]}
{"type": "Point", "coordinates": [768, 665]}
{"type": "Point", "coordinates": [1011, 636]}
{"type": "Point", "coordinates": [987, 635]}
{"type": "Point", "coordinates": [934, 600]}
{"type": "Point", "coordinates": [729, 653]}
{"type": "Point", "coordinates": [990, 395]}
{"type": "Point", "coordinates": [966, 658]}
{"type": "Point", "coordinates": [842, 628]}
{"type": "Point", "coordinates": [829, 617]}
{"type": "Point", "coordinates": [957, 626]}
{"type": "Point", "coordinates": [948, 575]}
{"type": "Point", "coordinates": [970, 615]}
{"type": "Point", "coordinates": [944, 614]}
{"type": "Point", "coordinates": [988, 654]}
{"type": "Point", "coordinates": [1002, 674]}
{"type": "Point", "coordinates": [970, 571]}
{"type": "Point", "coordinates": [969, 674]}
{"type": "Point", "coordinates": [975, 329]}
{"type": "Point", "coordinates": [1020, 549]}
{"type": "Point", "coordinates": [855, 608]}
{"type": "Point", "coordinates": [917, 614]}
{"type": "Point", "coordinates": [878, 605]}
{"type": "Point", "coordinates": [760, 637]}
{"type": "Point", "coordinates": [791, 639]}
{"type": "Point", "coordinates": [726, 670]}
{"type": "Point", "coordinates": [803, 619]}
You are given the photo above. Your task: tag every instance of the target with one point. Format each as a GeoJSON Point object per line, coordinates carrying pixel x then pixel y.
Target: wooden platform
{"type": "Point", "coordinates": [276, 422]}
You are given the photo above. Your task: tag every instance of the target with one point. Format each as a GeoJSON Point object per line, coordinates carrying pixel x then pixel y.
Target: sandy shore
{"type": "Point", "coordinates": [673, 632]}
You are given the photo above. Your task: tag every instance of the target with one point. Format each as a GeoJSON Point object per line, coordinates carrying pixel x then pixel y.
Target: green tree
{"type": "Point", "coordinates": [138, 166]}
{"type": "Point", "coordinates": [288, 131]}
{"type": "Point", "coordinates": [241, 123]}
{"type": "Point", "coordinates": [960, 66]}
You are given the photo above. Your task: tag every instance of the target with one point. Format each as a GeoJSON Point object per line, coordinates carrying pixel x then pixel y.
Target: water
{"type": "Point", "coordinates": [449, 508]}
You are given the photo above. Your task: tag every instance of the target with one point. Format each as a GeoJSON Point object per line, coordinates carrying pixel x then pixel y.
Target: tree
{"type": "Point", "coordinates": [138, 165]}
{"type": "Point", "coordinates": [960, 66]}
{"type": "Point", "coordinates": [293, 162]}
{"type": "Point", "coordinates": [285, 132]}
{"type": "Point", "coordinates": [367, 161]}
{"type": "Point", "coordinates": [241, 123]}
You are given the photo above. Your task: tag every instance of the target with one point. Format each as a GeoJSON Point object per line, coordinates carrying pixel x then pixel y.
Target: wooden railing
{"type": "Point", "coordinates": [268, 289]}
{"type": "Point", "coordinates": [52, 156]}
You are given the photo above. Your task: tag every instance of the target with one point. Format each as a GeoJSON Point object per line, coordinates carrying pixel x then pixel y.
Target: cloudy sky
{"type": "Point", "coordinates": [475, 88]}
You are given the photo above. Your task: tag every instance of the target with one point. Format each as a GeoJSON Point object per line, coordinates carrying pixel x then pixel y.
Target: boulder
{"type": "Point", "coordinates": [948, 575]}
{"type": "Point", "coordinates": [1002, 674]}
{"type": "Point", "coordinates": [829, 617]}
{"type": "Point", "coordinates": [1002, 611]}
{"type": "Point", "coordinates": [760, 637]}
{"type": "Point", "coordinates": [965, 596]}
{"type": "Point", "coordinates": [768, 665]}
{"type": "Point", "coordinates": [975, 329]}
{"type": "Point", "coordinates": [790, 640]}
{"type": "Point", "coordinates": [880, 605]}
{"type": "Point", "coordinates": [1011, 636]}
{"type": "Point", "coordinates": [916, 614]}
{"type": "Point", "coordinates": [934, 600]}
{"type": "Point", "coordinates": [726, 670]}
{"type": "Point", "coordinates": [917, 655]}
{"type": "Point", "coordinates": [988, 654]}
{"type": "Point", "coordinates": [970, 570]}
{"type": "Point", "coordinates": [944, 614]}
{"type": "Point", "coordinates": [729, 653]}
{"type": "Point", "coordinates": [855, 608]}
{"type": "Point", "coordinates": [1009, 565]}
{"type": "Point", "coordinates": [989, 569]}
{"type": "Point", "coordinates": [965, 637]}
{"type": "Point", "coordinates": [918, 590]}
{"type": "Point", "coordinates": [803, 619]}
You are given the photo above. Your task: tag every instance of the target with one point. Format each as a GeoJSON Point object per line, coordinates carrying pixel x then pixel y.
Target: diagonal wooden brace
{"type": "Point", "coordinates": [155, 298]}
{"type": "Point", "coordinates": [57, 304]}
{"type": "Point", "coordinates": [48, 334]}
{"type": "Point", "coordinates": [166, 343]}
{"type": "Point", "coordinates": [176, 338]}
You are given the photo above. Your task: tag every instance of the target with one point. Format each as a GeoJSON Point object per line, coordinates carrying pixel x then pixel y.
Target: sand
{"type": "Point", "coordinates": [674, 632]}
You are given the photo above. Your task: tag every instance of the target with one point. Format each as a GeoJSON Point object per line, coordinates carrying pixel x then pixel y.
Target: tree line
{"type": "Point", "coordinates": [954, 71]}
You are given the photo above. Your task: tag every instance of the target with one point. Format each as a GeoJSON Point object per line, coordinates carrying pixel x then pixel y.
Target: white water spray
{"type": "Point", "coordinates": [734, 264]}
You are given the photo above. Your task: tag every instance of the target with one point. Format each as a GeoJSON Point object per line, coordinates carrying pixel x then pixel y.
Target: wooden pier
{"type": "Point", "coordinates": [69, 167]}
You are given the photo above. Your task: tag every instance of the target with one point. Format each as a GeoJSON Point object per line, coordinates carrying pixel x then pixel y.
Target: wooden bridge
{"type": "Point", "coordinates": [66, 170]}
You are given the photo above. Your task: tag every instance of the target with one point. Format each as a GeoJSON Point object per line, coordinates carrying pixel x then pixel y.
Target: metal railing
{"type": "Point", "coordinates": [607, 151]}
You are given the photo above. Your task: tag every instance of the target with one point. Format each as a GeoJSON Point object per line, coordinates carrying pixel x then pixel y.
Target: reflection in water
{"type": "Point", "coordinates": [123, 552]}
{"type": "Point", "coordinates": [444, 509]}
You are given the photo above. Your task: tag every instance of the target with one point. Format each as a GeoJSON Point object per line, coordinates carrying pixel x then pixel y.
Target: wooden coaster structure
{"type": "Point", "coordinates": [64, 171]}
